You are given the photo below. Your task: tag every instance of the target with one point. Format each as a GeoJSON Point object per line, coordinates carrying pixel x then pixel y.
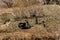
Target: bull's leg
{"type": "Point", "coordinates": [47, 1]}
{"type": "Point", "coordinates": [57, 2]}
{"type": "Point", "coordinates": [44, 2]}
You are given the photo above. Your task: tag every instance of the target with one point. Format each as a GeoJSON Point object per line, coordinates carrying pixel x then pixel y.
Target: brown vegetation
{"type": "Point", "coordinates": [43, 20]}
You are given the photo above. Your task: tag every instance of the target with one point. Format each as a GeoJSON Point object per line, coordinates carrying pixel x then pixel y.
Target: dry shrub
{"type": "Point", "coordinates": [24, 3]}
{"type": "Point", "coordinates": [17, 3]}
{"type": "Point", "coordinates": [51, 13]}
{"type": "Point", "coordinates": [26, 36]}
{"type": "Point", "coordinates": [6, 28]}
{"type": "Point", "coordinates": [3, 5]}
{"type": "Point", "coordinates": [17, 36]}
{"type": "Point", "coordinates": [6, 17]}
{"type": "Point", "coordinates": [8, 3]}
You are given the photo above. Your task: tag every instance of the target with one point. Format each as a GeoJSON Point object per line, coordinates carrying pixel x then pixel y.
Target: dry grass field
{"type": "Point", "coordinates": [41, 22]}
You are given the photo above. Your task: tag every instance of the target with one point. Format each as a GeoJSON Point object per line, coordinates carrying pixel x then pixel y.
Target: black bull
{"type": "Point", "coordinates": [48, 1]}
